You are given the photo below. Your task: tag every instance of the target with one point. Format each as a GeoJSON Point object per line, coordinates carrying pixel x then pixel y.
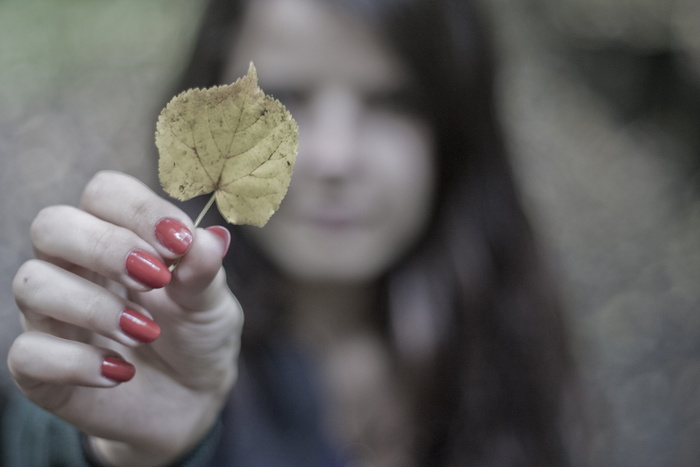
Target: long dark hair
{"type": "Point", "coordinates": [491, 362]}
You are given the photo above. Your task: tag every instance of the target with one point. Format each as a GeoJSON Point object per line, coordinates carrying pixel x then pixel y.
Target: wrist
{"type": "Point", "coordinates": [106, 453]}
{"type": "Point", "coordinates": [174, 440]}
{"type": "Point", "coordinates": [92, 455]}
{"type": "Point", "coordinates": [200, 454]}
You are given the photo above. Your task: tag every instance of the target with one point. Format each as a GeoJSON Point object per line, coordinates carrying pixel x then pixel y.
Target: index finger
{"type": "Point", "coordinates": [125, 201]}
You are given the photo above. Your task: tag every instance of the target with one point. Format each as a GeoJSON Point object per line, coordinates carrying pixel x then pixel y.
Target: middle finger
{"type": "Point", "coordinates": [74, 236]}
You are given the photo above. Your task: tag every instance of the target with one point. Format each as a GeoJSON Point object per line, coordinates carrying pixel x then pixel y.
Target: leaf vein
{"type": "Point", "coordinates": [196, 152]}
{"type": "Point", "coordinates": [264, 161]}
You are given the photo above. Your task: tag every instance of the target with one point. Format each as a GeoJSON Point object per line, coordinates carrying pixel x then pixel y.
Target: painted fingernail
{"type": "Point", "coordinates": [173, 235]}
{"type": "Point", "coordinates": [139, 327]}
{"type": "Point", "coordinates": [147, 269]}
{"type": "Point", "coordinates": [223, 234]}
{"type": "Point", "coordinates": [117, 369]}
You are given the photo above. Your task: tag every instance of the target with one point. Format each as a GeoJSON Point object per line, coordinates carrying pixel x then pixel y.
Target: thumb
{"type": "Point", "coordinates": [198, 282]}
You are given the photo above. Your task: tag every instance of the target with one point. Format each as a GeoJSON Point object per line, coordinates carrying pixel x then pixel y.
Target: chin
{"type": "Point", "coordinates": [306, 256]}
{"type": "Point", "coordinates": [337, 272]}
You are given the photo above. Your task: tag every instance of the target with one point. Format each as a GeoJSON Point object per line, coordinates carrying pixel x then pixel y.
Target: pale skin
{"type": "Point", "coordinates": [71, 298]}
{"type": "Point", "coordinates": [360, 196]}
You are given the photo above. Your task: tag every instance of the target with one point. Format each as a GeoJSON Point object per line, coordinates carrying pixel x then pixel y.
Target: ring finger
{"type": "Point", "coordinates": [49, 295]}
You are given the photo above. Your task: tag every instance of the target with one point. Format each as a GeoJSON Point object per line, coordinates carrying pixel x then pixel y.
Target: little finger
{"type": "Point", "coordinates": [36, 358]}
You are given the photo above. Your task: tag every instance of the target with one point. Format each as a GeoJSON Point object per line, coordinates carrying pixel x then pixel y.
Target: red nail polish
{"type": "Point", "coordinates": [138, 326]}
{"type": "Point", "coordinates": [224, 234]}
{"type": "Point", "coordinates": [173, 235]}
{"type": "Point", "coordinates": [147, 269]}
{"type": "Point", "coordinates": [117, 369]}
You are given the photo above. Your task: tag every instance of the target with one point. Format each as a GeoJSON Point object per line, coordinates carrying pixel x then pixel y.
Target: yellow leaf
{"type": "Point", "coordinates": [232, 140]}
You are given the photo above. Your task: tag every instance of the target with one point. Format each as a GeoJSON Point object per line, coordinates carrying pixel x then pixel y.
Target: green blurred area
{"type": "Point", "coordinates": [80, 84]}
{"type": "Point", "coordinates": [601, 101]}
{"type": "Point", "coordinates": [51, 49]}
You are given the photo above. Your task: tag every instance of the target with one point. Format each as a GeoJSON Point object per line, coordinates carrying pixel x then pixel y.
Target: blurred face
{"type": "Point", "coordinates": [362, 187]}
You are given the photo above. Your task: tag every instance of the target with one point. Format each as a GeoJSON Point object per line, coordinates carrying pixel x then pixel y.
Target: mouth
{"type": "Point", "coordinates": [334, 218]}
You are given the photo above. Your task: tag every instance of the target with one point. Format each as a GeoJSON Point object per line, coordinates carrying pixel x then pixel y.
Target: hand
{"type": "Point", "coordinates": [90, 302]}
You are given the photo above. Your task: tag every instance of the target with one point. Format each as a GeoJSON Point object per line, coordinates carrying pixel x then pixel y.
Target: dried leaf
{"type": "Point", "coordinates": [232, 140]}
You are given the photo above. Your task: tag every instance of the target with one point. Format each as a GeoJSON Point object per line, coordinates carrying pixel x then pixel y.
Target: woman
{"type": "Point", "coordinates": [396, 310]}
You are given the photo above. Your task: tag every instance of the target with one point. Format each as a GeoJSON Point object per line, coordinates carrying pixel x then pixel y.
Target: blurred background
{"type": "Point", "coordinates": [601, 102]}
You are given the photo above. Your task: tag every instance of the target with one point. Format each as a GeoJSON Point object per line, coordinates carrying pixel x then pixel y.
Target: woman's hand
{"type": "Point", "coordinates": [90, 303]}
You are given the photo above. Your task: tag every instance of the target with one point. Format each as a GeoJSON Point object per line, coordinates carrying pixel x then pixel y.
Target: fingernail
{"type": "Point", "coordinates": [147, 269]}
{"type": "Point", "coordinates": [117, 369]}
{"type": "Point", "coordinates": [223, 234]}
{"type": "Point", "coordinates": [139, 327]}
{"type": "Point", "coordinates": [173, 235]}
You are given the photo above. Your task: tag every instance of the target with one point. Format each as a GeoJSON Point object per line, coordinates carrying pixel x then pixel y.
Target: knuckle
{"type": "Point", "coordinates": [96, 187]}
{"type": "Point", "coordinates": [140, 209]}
{"type": "Point", "coordinates": [237, 314]}
{"type": "Point", "coordinates": [21, 354]}
{"type": "Point", "coordinates": [38, 225]}
{"type": "Point", "coordinates": [99, 244]}
{"type": "Point", "coordinates": [26, 281]}
{"type": "Point", "coordinates": [91, 310]}
{"type": "Point", "coordinates": [43, 223]}
{"type": "Point", "coordinates": [234, 317]}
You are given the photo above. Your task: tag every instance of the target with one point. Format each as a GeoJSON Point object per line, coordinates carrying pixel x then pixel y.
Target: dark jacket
{"type": "Point", "coordinates": [271, 419]}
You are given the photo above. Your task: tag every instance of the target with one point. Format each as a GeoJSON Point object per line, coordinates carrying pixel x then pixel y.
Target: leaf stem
{"type": "Point", "coordinates": [205, 210]}
{"type": "Point", "coordinates": [201, 215]}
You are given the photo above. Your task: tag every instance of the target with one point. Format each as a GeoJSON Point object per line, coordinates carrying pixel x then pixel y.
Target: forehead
{"type": "Point", "coordinates": [307, 40]}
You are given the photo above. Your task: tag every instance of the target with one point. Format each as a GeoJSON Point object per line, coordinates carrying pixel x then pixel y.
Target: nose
{"type": "Point", "coordinates": [328, 136]}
